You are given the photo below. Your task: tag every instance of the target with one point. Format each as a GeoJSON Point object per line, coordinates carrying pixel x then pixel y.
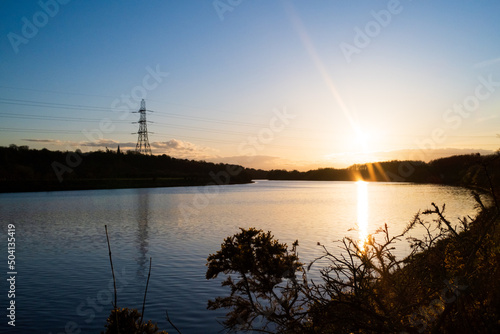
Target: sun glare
{"type": "Point", "coordinates": [362, 190]}
{"type": "Point", "coordinates": [363, 139]}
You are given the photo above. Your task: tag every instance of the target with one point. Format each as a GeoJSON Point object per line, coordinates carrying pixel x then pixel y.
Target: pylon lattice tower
{"type": "Point", "coordinates": [142, 138]}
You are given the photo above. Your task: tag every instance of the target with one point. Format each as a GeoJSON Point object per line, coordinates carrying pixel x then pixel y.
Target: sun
{"type": "Point", "coordinates": [363, 139]}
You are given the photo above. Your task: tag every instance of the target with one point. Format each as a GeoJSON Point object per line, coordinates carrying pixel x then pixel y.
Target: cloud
{"type": "Point", "coordinates": [183, 149]}
{"type": "Point", "coordinates": [54, 143]}
{"type": "Point", "coordinates": [50, 141]}
{"type": "Point", "coordinates": [174, 144]}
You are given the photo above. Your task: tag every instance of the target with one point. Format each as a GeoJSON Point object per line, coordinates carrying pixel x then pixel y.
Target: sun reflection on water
{"type": "Point", "coordinates": [362, 189]}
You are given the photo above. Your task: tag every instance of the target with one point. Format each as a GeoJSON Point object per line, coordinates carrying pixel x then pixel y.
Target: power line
{"type": "Point", "coordinates": [45, 131]}
{"type": "Point", "coordinates": [51, 105]}
{"type": "Point", "coordinates": [96, 108]}
{"type": "Point", "coordinates": [54, 118]}
{"type": "Point", "coordinates": [91, 120]}
{"type": "Point", "coordinates": [164, 114]}
{"type": "Point", "coordinates": [101, 109]}
{"type": "Point", "coordinates": [54, 92]}
{"type": "Point", "coordinates": [113, 97]}
{"type": "Point", "coordinates": [180, 137]}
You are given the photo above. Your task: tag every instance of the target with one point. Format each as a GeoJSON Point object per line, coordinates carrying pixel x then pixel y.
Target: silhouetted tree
{"type": "Point", "coordinates": [266, 290]}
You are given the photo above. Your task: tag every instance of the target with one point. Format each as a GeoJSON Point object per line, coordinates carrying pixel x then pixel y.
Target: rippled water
{"type": "Point", "coordinates": [64, 279]}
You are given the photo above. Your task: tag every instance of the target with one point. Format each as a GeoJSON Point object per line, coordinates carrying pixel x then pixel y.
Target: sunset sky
{"type": "Point", "coordinates": [266, 84]}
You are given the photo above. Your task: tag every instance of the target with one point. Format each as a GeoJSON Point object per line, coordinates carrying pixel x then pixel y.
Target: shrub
{"type": "Point", "coordinates": [129, 322]}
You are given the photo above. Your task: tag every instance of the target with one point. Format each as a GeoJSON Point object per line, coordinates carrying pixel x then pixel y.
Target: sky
{"type": "Point", "coordinates": [265, 84]}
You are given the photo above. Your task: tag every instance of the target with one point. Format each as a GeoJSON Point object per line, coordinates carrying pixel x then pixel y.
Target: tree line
{"type": "Point", "coordinates": [464, 170]}
{"type": "Point", "coordinates": [25, 169]}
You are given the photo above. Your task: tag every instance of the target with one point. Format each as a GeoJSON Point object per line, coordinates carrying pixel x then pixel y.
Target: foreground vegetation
{"type": "Point", "coordinates": [449, 283]}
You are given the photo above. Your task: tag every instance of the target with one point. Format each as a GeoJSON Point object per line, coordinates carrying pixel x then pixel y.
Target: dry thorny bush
{"type": "Point", "coordinates": [364, 288]}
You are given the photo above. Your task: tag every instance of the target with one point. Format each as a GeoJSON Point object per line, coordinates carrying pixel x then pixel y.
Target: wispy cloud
{"type": "Point", "coordinates": [174, 144]}
{"type": "Point", "coordinates": [55, 143]}
{"type": "Point", "coordinates": [50, 141]}
{"type": "Point", "coordinates": [183, 149]}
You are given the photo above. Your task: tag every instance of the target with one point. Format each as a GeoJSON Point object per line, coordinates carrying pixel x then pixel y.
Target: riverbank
{"type": "Point", "coordinates": [457, 277]}
{"type": "Point", "coordinates": [95, 184]}
{"type": "Point", "coordinates": [27, 170]}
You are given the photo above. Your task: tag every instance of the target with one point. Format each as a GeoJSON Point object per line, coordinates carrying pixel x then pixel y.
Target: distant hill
{"type": "Point", "coordinates": [24, 169]}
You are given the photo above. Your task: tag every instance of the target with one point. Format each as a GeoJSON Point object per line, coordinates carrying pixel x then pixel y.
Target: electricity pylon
{"type": "Point", "coordinates": [142, 138]}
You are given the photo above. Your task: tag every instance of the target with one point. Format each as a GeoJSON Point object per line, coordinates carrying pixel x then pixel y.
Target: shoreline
{"type": "Point", "coordinates": [30, 186]}
{"type": "Point", "coordinates": [12, 187]}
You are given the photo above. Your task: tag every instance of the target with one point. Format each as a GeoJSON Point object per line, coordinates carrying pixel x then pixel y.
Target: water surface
{"type": "Point", "coordinates": [64, 278]}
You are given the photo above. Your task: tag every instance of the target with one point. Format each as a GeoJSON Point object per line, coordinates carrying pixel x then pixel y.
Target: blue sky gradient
{"type": "Point", "coordinates": [233, 66]}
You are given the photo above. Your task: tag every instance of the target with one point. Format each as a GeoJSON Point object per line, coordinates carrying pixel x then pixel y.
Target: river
{"type": "Point", "coordinates": [63, 279]}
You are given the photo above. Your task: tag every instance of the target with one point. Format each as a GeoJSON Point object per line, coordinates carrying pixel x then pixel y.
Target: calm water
{"type": "Point", "coordinates": [64, 278]}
